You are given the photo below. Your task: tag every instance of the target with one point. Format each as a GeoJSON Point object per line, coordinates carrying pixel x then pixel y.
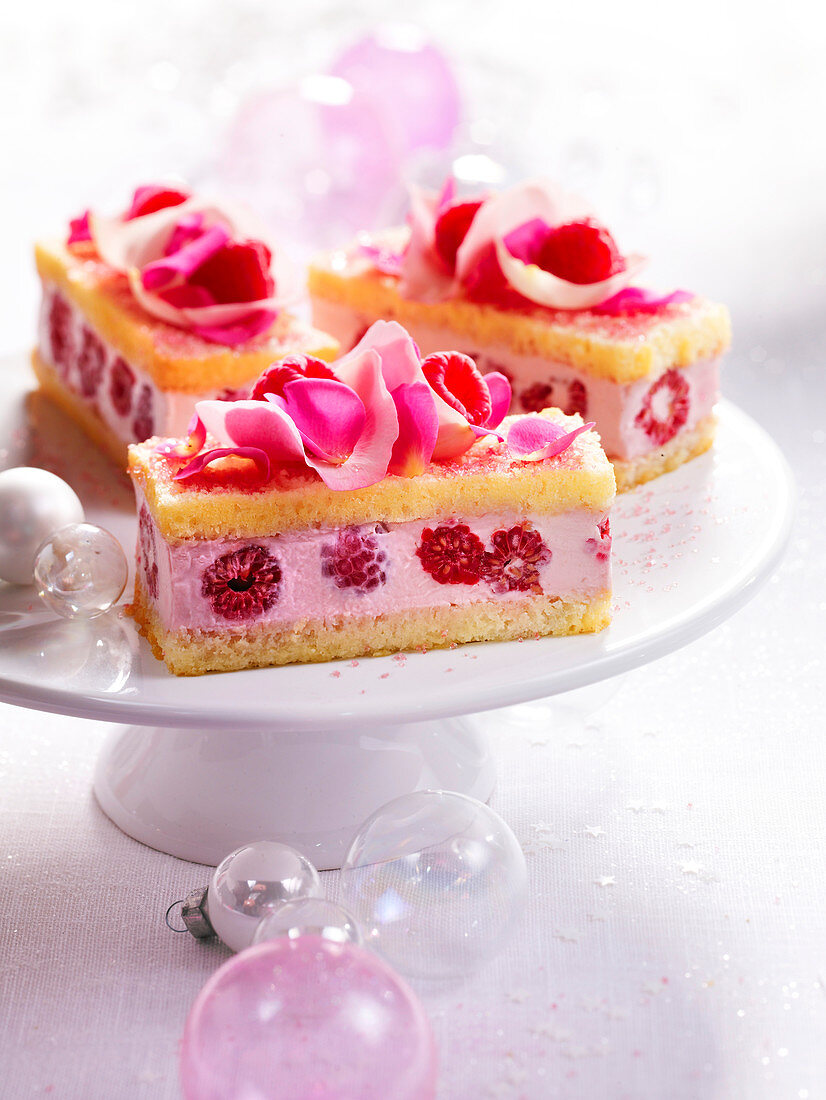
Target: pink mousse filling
{"type": "Point", "coordinates": [372, 569]}
{"type": "Point", "coordinates": [631, 419]}
{"type": "Point", "coordinates": [124, 397]}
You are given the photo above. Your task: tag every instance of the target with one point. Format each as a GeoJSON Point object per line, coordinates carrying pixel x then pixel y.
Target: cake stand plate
{"type": "Point", "coordinates": [304, 753]}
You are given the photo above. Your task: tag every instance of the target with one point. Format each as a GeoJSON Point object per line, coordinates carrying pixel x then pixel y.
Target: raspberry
{"type": "Point", "coordinates": [148, 553]}
{"type": "Point", "coordinates": [580, 252]}
{"type": "Point", "coordinates": [577, 399]}
{"type": "Point", "coordinates": [355, 560]}
{"type": "Point", "coordinates": [144, 423]}
{"type": "Point", "coordinates": [61, 340]}
{"type": "Point", "coordinates": [456, 379]}
{"type": "Point", "coordinates": [275, 378]}
{"type": "Point", "coordinates": [243, 583]}
{"type": "Point", "coordinates": [511, 566]}
{"type": "Point", "coordinates": [601, 547]}
{"type": "Point", "coordinates": [451, 229]}
{"type": "Point", "coordinates": [232, 395]}
{"type": "Point", "coordinates": [90, 363]}
{"type": "Point", "coordinates": [121, 385]}
{"type": "Point", "coordinates": [536, 397]}
{"type": "Point", "coordinates": [665, 408]}
{"type": "Point", "coordinates": [451, 554]}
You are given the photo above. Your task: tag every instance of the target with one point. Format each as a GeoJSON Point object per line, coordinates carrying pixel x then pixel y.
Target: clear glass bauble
{"type": "Point", "coordinates": [437, 882]}
{"type": "Point", "coordinates": [80, 571]}
{"type": "Point", "coordinates": [253, 881]}
{"type": "Point", "coordinates": [309, 917]}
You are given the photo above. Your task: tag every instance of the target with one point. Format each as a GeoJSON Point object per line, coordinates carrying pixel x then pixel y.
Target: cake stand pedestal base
{"type": "Point", "coordinates": [199, 794]}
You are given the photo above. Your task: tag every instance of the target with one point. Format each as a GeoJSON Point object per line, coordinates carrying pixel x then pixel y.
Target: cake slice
{"type": "Point", "coordinates": [528, 283]}
{"type": "Point", "coordinates": [248, 556]}
{"type": "Point", "coordinates": [127, 362]}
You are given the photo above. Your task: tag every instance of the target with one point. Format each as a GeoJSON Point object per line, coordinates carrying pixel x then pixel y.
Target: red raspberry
{"type": "Point", "coordinates": [511, 566]}
{"type": "Point", "coordinates": [601, 547]}
{"type": "Point", "coordinates": [580, 252]}
{"type": "Point", "coordinates": [143, 426]}
{"type": "Point", "coordinates": [665, 408]}
{"type": "Point", "coordinates": [148, 552]}
{"type": "Point", "coordinates": [61, 340]}
{"type": "Point", "coordinates": [121, 385]}
{"type": "Point", "coordinates": [243, 583]}
{"type": "Point", "coordinates": [451, 229]}
{"type": "Point", "coordinates": [355, 560]}
{"type": "Point", "coordinates": [536, 397]}
{"type": "Point", "coordinates": [456, 379]}
{"type": "Point", "coordinates": [577, 399]}
{"type": "Point", "coordinates": [275, 378]}
{"type": "Point", "coordinates": [90, 363]}
{"type": "Point", "coordinates": [451, 554]}
{"type": "Point", "coordinates": [233, 395]}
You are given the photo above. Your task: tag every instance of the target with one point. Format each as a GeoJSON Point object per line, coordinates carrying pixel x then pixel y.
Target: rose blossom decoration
{"type": "Point", "coordinates": [531, 243]}
{"type": "Point", "coordinates": [192, 263]}
{"type": "Point", "coordinates": [380, 410]}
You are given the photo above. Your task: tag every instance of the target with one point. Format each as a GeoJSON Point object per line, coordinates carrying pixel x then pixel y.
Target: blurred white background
{"type": "Point", "coordinates": [698, 131]}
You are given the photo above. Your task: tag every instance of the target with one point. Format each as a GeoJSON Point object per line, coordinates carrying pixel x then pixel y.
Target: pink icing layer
{"type": "Point", "coordinates": [538, 382]}
{"type": "Point", "coordinates": [577, 564]}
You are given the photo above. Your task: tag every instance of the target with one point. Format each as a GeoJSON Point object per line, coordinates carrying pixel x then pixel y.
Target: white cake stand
{"type": "Point", "coordinates": [305, 753]}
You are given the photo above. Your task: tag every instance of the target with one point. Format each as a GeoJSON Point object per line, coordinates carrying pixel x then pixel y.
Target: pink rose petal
{"type": "Point", "coordinates": [447, 196]}
{"type": "Point", "coordinates": [549, 290]}
{"type": "Point", "coordinates": [400, 360]}
{"type": "Point", "coordinates": [534, 437]}
{"type": "Point", "coordinates": [329, 415]}
{"type": "Point", "coordinates": [246, 328]}
{"type": "Point", "coordinates": [382, 258]}
{"type": "Point", "coordinates": [196, 437]}
{"type": "Point", "coordinates": [186, 230]}
{"type": "Point", "coordinates": [423, 275]}
{"type": "Point", "coordinates": [418, 428]}
{"type": "Point", "coordinates": [259, 424]}
{"type": "Point", "coordinates": [185, 260]}
{"type": "Point", "coordinates": [500, 397]}
{"type": "Point", "coordinates": [634, 299]}
{"type": "Point", "coordinates": [79, 229]}
{"type": "Point", "coordinates": [370, 457]}
{"type": "Point", "coordinates": [201, 461]}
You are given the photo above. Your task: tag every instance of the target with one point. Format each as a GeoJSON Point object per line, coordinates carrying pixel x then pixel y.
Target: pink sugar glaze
{"type": "Point", "coordinates": [485, 457]}
{"type": "Point", "coordinates": [573, 569]}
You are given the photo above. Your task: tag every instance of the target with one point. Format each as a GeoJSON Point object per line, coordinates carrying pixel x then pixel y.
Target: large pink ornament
{"type": "Point", "coordinates": [318, 160]}
{"type": "Point", "coordinates": [397, 68]}
{"type": "Point", "coordinates": [307, 1019]}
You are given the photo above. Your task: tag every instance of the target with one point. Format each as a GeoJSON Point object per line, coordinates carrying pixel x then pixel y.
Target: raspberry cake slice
{"type": "Point", "coordinates": [176, 300]}
{"type": "Point", "coordinates": [529, 284]}
{"type": "Point", "coordinates": [366, 511]}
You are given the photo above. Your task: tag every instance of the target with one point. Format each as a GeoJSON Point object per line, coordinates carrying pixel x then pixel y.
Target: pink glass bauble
{"type": "Point", "coordinates": [318, 161]}
{"type": "Point", "coordinates": [307, 1019]}
{"type": "Point", "coordinates": [397, 67]}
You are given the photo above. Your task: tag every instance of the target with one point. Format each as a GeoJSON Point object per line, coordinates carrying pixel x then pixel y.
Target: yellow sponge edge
{"type": "Point", "coordinates": [621, 350]}
{"type": "Point", "coordinates": [485, 479]}
{"type": "Point", "coordinates": [193, 652]}
{"type": "Point", "coordinates": [174, 359]}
